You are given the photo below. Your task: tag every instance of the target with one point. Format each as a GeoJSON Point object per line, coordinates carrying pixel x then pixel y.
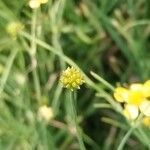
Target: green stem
{"type": "Point", "coordinates": [127, 135]}
{"type": "Point", "coordinates": [33, 57]}
{"type": "Point", "coordinates": [57, 45]}
{"type": "Point", "coordinates": [144, 136]}
{"type": "Point", "coordinates": [74, 117]}
{"type": "Point", "coordinates": [108, 85]}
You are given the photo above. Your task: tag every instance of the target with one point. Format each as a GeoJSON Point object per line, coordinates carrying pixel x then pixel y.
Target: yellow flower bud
{"type": "Point", "coordinates": [71, 78]}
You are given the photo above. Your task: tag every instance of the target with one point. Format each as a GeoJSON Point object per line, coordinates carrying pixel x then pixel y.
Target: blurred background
{"type": "Point", "coordinates": [40, 39]}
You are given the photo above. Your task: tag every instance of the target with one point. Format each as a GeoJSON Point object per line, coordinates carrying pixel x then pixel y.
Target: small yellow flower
{"type": "Point", "coordinates": [136, 100]}
{"type": "Point", "coordinates": [121, 94]}
{"type": "Point", "coordinates": [146, 121]}
{"type": "Point", "coordinates": [45, 113]}
{"type": "Point", "coordinates": [71, 78]}
{"type": "Point", "coordinates": [131, 112]}
{"type": "Point", "coordinates": [13, 28]}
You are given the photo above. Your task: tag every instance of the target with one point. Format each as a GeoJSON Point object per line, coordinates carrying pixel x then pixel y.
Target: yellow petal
{"type": "Point", "coordinates": [135, 97]}
{"type": "Point", "coordinates": [131, 112]}
{"type": "Point", "coordinates": [136, 87]}
{"type": "Point", "coordinates": [146, 89]}
{"type": "Point", "coordinates": [145, 107]}
{"type": "Point", "coordinates": [121, 94]}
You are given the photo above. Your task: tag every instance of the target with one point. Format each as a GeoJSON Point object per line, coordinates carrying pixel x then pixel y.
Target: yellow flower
{"type": "Point", "coordinates": [135, 99]}
{"type": "Point", "coordinates": [146, 121]}
{"type": "Point", "coordinates": [121, 94]}
{"type": "Point", "coordinates": [131, 112]}
{"type": "Point", "coordinates": [71, 78]}
{"type": "Point", "coordinates": [45, 113]}
{"type": "Point", "coordinates": [13, 28]}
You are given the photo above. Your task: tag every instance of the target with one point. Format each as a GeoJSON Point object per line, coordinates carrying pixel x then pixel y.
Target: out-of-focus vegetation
{"type": "Point", "coordinates": [108, 41]}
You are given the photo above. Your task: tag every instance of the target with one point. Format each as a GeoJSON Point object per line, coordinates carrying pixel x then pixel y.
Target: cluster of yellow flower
{"type": "Point", "coordinates": [136, 100]}
{"type": "Point", "coordinates": [36, 3]}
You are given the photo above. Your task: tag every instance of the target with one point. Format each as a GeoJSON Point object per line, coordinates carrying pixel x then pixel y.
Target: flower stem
{"type": "Point", "coordinates": [127, 135]}
{"type": "Point", "coordinates": [33, 56]}
{"type": "Point", "coordinates": [74, 117]}
{"type": "Point", "coordinates": [125, 138]}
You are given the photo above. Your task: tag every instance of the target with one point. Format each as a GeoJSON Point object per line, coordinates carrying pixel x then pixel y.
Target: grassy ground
{"type": "Point", "coordinates": [108, 37]}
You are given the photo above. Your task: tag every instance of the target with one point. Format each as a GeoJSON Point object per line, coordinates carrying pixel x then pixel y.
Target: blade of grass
{"type": "Point", "coordinates": [7, 69]}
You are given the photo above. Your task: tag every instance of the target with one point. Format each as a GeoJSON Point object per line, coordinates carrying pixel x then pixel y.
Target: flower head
{"type": "Point", "coordinates": [71, 78]}
{"type": "Point", "coordinates": [134, 95]}
{"type": "Point", "coordinates": [135, 99]}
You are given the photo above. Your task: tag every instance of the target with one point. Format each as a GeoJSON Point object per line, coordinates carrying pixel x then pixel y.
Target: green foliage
{"type": "Point", "coordinates": [107, 40]}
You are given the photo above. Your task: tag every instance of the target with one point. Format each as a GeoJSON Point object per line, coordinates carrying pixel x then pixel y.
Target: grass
{"type": "Point", "coordinates": [108, 41]}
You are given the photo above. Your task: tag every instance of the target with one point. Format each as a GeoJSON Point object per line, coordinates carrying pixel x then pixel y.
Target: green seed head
{"type": "Point", "coordinates": [71, 78]}
{"type": "Point", "coordinates": [13, 28]}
